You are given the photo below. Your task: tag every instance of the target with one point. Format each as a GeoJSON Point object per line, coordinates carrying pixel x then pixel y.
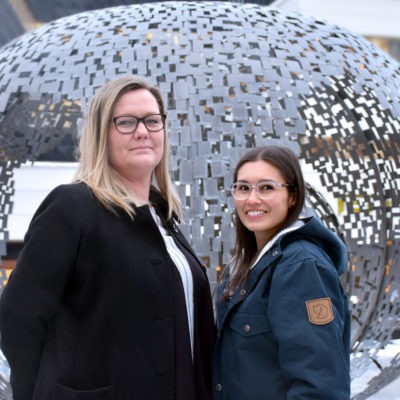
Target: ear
{"type": "Point", "coordinates": [292, 199]}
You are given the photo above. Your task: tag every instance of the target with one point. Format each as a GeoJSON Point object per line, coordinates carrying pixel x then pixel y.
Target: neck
{"type": "Point", "coordinates": [139, 189]}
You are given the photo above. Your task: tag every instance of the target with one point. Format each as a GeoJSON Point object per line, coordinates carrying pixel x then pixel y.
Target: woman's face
{"type": "Point", "coordinates": [263, 217]}
{"type": "Point", "coordinates": [135, 155]}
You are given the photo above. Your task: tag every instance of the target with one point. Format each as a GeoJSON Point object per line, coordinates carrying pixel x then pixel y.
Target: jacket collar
{"type": "Point", "coordinates": [270, 254]}
{"type": "Point", "coordinates": [159, 202]}
{"type": "Point", "coordinates": [296, 225]}
{"type": "Point", "coordinates": [161, 206]}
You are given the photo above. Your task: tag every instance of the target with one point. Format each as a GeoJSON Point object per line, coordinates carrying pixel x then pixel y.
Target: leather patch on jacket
{"type": "Point", "coordinates": [320, 311]}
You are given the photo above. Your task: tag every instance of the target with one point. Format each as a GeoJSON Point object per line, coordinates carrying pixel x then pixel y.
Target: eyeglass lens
{"type": "Point", "coordinates": [265, 190]}
{"type": "Point", "coordinates": [129, 123]}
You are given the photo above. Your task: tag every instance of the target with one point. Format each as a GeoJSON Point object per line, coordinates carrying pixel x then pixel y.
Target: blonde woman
{"type": "Point", "coordinates": [108, 300]}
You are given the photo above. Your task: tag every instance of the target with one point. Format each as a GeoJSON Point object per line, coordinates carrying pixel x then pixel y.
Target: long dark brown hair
{"type": "Point", "coordinates": [245, 250]}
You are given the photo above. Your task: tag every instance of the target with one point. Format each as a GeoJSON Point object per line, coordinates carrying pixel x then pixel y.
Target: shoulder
{"type": "Point", "coordinates": [69, 195]}
{"type": "Point", "coordinates": [66, 201]}
{"type": "Point", "coordinates": [313, 234]}
{"type": "Point", "coordinates": [71, 192]}
{"type": "Point", "coordinates": [316, 243]}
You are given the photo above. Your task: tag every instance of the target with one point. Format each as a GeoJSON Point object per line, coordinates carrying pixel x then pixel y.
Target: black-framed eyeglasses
{"type": "Point", "coordinates": [126, 124]}
{"type": "Point", "coordinates": [265, 190]}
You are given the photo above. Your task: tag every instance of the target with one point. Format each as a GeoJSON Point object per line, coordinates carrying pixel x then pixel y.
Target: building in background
{"type": "Point", "coordinates": [376, 20]}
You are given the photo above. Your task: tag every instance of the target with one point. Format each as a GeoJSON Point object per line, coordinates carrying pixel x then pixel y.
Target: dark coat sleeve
{"type": "Point", "coordinates": [35, 288]}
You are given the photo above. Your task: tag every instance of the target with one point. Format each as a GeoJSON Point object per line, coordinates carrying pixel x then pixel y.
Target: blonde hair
{"type": "Point", "coordinates": [94, 168]}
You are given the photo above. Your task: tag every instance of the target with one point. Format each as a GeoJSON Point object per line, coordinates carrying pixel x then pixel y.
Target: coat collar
{"type": "Point", "coordinates": [161, 206]}
{"type": "Point", "coordinates": [296, 225]}
{"type": "Point", "coordinates": [267, 257]}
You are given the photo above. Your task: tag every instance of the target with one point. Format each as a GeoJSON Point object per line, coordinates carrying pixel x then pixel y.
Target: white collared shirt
{"type": "Point", "coordinates": [183, 268]}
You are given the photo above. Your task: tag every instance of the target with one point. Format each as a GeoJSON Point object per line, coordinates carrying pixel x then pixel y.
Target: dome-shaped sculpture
{"type": "Point", "coordinates": [235, 76]}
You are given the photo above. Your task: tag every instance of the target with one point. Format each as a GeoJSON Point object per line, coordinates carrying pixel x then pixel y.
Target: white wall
{"type": "Point", "coordinates": [365, 17]}
{"type": "Point", "coordinates": [32, 183]}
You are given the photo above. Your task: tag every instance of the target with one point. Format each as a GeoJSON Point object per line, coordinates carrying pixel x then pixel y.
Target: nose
{"type": "Point", "coordinates": [141, 130]}
{"type": "Point", "coordinates": [253, 195]}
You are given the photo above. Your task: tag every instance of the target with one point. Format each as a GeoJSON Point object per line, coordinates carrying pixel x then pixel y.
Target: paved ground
{"type": "Point", "coordinates": [385, 357]}
{"type": "Point", "coordinates": [390, 392]}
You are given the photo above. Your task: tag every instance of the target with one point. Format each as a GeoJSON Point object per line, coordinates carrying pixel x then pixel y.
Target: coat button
{"type": "Point", "coordinates": [275, 253]}
{"type": "Point", "coordinates": [247, 328]}
{"type": "Point", "coordinates": [243, 292]}
{"type": "Point", "coordinates": [218, 387]}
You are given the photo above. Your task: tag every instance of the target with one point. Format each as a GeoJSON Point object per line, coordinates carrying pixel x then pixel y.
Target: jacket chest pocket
{"type": "Point", "coordinates": [247, 325]}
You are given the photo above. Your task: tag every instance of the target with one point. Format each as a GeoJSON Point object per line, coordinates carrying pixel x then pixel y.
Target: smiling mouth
{"type": "Point", "coordinates": [255, 213]}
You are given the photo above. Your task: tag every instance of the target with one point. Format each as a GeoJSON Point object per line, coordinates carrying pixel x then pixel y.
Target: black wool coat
{"type": "Point", "coordinates": [88, 311]}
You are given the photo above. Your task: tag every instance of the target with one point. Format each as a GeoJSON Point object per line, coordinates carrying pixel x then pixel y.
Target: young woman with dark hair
{"type": "Point", "coordinates": [282, 314]}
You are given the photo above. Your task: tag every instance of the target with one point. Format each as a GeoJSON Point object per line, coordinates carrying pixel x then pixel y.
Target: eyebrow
{"type": "Point", "coordinates": [261, 180]}
{"type": "Point", "coordinates": [135, 116]}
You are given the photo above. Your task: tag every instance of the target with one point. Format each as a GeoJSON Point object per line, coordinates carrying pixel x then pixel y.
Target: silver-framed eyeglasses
{"type": "Point", "coordinates": [126, 124]}
{"type": "Point", "coordinates": [265, 190]}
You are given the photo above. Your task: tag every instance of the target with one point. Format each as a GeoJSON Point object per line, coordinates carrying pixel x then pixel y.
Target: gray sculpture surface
{"type": "Point", "coordinates": [235, 76]}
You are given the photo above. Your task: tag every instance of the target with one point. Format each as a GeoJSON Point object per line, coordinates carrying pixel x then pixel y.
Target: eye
{"type": "Point", "coordinates": [153, 120]}
{"type": "Point", "coordinates": [126, 122]}
{"type": "Point", "coordinates": [242, 187]}
{"type": "Point", "coordinates": [266, 187]}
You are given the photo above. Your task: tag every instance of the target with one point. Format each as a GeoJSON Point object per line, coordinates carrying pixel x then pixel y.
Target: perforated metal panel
{"type": "Point", "coordinates": [234, 76]}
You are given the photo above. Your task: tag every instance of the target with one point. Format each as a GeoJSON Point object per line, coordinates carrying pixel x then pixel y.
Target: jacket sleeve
{"type": "Point", "coordinates": [35, 288]}
{"type": "Point", "coordinates": [314, 357]}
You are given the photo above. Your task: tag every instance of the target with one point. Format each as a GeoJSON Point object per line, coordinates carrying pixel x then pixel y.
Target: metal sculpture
{"type": "Point", "coordinates": [235, 76]}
